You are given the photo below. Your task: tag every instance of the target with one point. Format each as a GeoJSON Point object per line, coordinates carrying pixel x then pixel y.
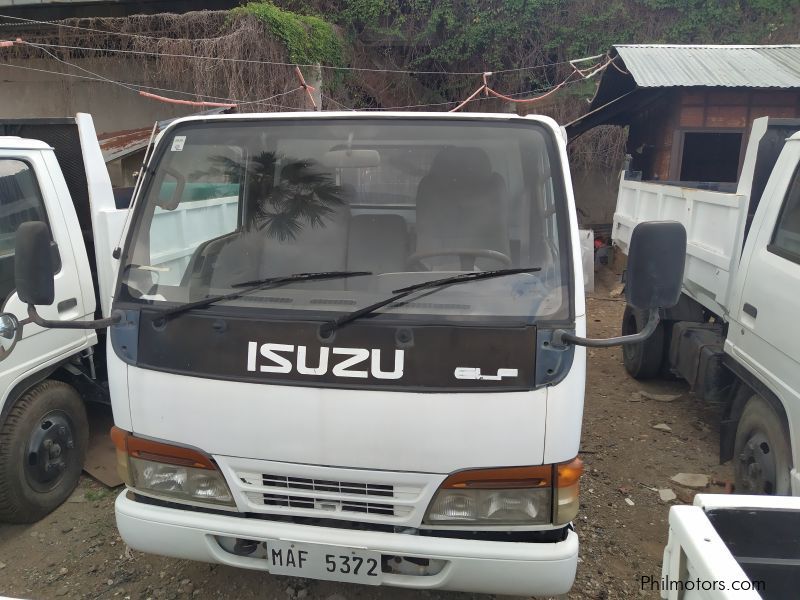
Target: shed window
{"type": "Point", "coordinates": [710, 156]}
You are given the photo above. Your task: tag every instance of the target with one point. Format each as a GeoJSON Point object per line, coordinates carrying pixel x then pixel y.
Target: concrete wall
{"type": "Point", "coordinates": [25, 93]}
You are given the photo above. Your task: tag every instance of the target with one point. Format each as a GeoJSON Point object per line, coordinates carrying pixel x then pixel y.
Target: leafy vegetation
{"type": "Point", "coordinates": [500, 33]}
{"type": "Point", "coordinates": [308, 39]}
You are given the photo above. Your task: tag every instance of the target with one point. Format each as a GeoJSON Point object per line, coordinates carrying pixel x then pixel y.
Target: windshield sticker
{"type": "Point", "coordinates": [177, 143]}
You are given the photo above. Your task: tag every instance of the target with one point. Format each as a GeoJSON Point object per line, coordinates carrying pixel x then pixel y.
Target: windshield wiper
{"type": "Point", "coordinates": [255, 285]}
{"type": "Point", "coordinates": [328, 328]}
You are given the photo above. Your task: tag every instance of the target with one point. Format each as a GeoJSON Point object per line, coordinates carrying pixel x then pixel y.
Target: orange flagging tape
{"type": "Point", "coordinates": [305, 86]}
{"type": "Point", "coordinates": [185, 102]}
{"type": "Point", "coordinates": [487, 91]}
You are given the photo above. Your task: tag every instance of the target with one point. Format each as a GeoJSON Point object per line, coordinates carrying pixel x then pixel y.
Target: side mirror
{"type": "Point", "coordinates": [33, 277]}
{"type": "Point", "coordinates": [33, 264]}
{"type": "Point", "coordinates": [656, 258]}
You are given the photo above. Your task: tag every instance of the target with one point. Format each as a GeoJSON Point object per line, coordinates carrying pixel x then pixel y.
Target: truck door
{"type": "Point", "coordinates": [29, 191]}
{"type": "Point", "coordinates": [765, 327]}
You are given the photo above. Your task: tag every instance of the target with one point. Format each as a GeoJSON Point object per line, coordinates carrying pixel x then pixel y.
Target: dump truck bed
{"type": "Point", "coordinates": [716, 222]}
{"type": "Point", "coordinates": [731, 546]}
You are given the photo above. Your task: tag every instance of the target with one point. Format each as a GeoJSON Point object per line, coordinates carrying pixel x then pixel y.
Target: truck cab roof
{"type": "Point", "coordinates": [14, 142]}
{"type": "Point", "coordinates": [363, 114]}
{"type": "Point", "coordinates": [358, 113]}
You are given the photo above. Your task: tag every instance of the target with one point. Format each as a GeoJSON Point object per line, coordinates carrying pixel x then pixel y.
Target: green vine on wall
{"type": "Point", "coordinates": [308, 39]}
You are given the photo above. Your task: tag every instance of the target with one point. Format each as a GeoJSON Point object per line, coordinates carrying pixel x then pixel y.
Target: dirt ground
{"type": "Point", "coordinates": [76, 553]}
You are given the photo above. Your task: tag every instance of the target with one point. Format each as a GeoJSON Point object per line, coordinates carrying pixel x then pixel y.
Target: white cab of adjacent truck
{"type": "Point", "coordinates": [734, 335]}
{"type": "Point", "coordinates": [43, 426]}
{"type": "Point", "coordinates": [348, 346]}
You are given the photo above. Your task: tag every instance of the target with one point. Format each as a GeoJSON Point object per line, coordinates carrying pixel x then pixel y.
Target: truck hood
{"type": "Point", "coordinates": [368, 429]}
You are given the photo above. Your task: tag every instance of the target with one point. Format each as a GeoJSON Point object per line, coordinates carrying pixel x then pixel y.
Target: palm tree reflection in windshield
{"type": "Point", "coordinates": [302, 194]}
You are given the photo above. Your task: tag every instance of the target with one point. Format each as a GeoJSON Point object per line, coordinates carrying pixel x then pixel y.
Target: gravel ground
{"type": "Point", "coordinates": [76, 553]}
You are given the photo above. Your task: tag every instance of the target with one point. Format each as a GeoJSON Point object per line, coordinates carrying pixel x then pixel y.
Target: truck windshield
{"type": "Point", "coordinates": [408, 200]}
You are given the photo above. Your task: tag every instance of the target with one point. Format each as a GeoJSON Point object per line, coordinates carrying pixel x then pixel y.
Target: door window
{"type": "Point", "coordinates": [20, 201]}
{"type": "Point", "coordinates": [786, 237]}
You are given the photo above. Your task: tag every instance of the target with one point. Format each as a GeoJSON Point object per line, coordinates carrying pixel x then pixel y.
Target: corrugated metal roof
{"type": "Point", "coordinates": [121, 143]}
{"type": "Point", "coordinates": [115, 144]}
{"type": "Point", "coordinates": [713, 66]}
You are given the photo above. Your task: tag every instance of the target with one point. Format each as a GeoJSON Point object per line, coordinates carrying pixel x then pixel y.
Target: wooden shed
{"type": "Point", "coordinates": [689, 108]}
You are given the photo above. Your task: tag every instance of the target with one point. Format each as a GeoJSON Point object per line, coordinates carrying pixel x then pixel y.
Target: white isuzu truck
{"type": "Point", "coordinates": [348, 346]}
{"type": "Point", "coordinates": [734, 335]}
{"type": "Point", "coordinates": [52, 171]}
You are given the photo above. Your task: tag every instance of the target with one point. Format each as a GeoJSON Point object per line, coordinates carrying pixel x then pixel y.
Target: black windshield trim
{"type": "Point", "coordinates": [430, 286]}
{"type": "Point", "coordinates": [392, 319]}
{"type": "Point", "coordinates": [255, 286]}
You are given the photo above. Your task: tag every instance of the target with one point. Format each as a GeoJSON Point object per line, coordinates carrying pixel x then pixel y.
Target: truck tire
{"type": "Point", "coordinates": [761, 453]}
{"type": "Point", "coordinates": [642, 360]}
{"type": "Point", "coordinates": [42, 448]}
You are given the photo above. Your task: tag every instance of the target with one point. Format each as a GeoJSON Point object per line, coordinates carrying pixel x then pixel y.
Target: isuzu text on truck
{"type": "Point", "coordinates": [347, 346]}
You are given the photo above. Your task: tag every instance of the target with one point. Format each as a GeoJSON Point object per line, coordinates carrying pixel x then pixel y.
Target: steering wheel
{"type": "Point", "coordinates": [467, 256]}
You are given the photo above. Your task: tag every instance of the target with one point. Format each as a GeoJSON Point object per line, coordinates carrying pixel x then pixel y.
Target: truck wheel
{"type": "Point", "coordinates": [761, 452]}
{"type": "Point", "coordinates": [642, 360]}
{"type": "Point", "coordinates": [42, 447]}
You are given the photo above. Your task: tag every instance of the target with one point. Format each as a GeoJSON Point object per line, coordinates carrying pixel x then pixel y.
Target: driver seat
{"type": "Point", "coordinates": [462, 204]}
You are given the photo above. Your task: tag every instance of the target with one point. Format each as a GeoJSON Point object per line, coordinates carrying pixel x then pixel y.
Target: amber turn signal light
{"type": "Point", "coordinates": [159, 451]}
{"type": "Point", "coordinates": [502, 478]}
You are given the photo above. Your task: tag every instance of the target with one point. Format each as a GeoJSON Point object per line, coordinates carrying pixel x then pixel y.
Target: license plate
{"type": "Point", "coordinates": [324, 562]}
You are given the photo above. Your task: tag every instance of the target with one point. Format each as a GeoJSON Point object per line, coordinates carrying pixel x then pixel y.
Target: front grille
{"type": "Point", "coordinates": [328, 505]}
{"type": "Point", "coordinates": [323, 485]}
{"type": "Point", "coordinates": [304, 495]}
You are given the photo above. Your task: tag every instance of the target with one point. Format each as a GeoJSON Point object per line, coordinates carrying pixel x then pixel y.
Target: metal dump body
{"type": "Point", "coordinates": [731, 546]}
{"type": "Point", "coordinates": [716, 222]}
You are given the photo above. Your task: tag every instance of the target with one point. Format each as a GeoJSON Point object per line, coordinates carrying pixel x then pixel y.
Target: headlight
{"type": "Point", "coordinates": [491, 507]}
{"type": "Point", "coordinates": [170, 471]}
{"type": "Point", "coordinates": [181, 483]}
{"type": "Point", "coordinates": [508, 496]}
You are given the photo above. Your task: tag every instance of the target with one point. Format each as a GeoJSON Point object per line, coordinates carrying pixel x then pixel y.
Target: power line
{"type": "Point", "coordinates": [64, 25]}
{"type": "Point", "coordinates": [135, 88]}
{"type": "Point", "coordinates": [92, 73]}
{"type": "Point", "coordinates": [138, 88]}
{"type": "Point", "coordinates": [451, 102]}
{"type": "Point", "coordinates": [291, 91]}
{"type": "Point", "coordinates": [264, 62]}
{"type": "Point", "coordinates": [148, 87]}
{"type": "Point", "coordinates": [289, 64]}
{"type": "Point", "coordinates": [336, 102]}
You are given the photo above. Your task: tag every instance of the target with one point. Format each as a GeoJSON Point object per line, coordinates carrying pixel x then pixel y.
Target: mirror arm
{"type": "Point", "coordinates": [562, 338]}
{"type": "Point", "coordinates": [34, 317]}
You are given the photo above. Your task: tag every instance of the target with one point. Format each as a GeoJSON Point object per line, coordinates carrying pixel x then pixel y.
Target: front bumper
{"type": "Point", "coordinates": [539, 569]}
